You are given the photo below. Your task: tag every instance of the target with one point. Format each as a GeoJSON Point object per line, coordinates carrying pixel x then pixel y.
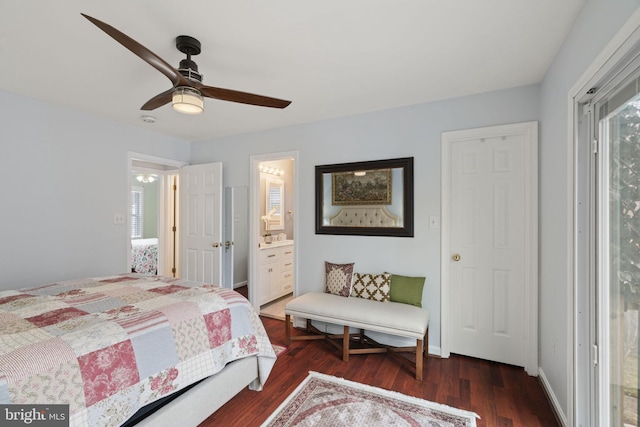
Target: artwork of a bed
{"type": "Point", "coordinates": [144, 256]}
{"type": "Point", "coordinates": [110, 346]}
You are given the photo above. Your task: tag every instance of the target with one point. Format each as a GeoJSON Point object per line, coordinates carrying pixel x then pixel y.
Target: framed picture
{"type": "Point", "coordinates": [365, 187]}
{"type": "Point", "coordinates": [372, 198]}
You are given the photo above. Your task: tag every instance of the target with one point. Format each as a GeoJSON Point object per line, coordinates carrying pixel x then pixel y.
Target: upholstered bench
{"type": "Point", "coordinates": [387, 317]}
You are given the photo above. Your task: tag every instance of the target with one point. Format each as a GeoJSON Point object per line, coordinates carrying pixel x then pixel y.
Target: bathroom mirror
{"type": "Point", "coordinates": [373, 198]}
{"type": "Point", "coordinates": [274, 203]}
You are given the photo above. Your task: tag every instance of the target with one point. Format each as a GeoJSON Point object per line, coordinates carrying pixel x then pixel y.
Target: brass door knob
{"type": "Point", "coordinates": [216, 244]}
{"type": "Point", "coordinates": [456, 257]}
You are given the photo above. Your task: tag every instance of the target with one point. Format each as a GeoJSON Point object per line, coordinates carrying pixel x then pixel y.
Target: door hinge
{"type": "Point", "coordinates": [175, 187]}
{"type": "Point", "coordinates": [174, 229]}
{"type": "Point", "coordinates": [595, 145]}
{"type": "Point", "coordinates": [594, 355]}
{"type": "Point", "coordinates": [173, 270]}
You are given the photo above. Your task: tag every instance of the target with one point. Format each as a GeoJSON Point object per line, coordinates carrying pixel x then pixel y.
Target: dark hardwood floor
{"type": "Point", "coordinates": [502, 395]}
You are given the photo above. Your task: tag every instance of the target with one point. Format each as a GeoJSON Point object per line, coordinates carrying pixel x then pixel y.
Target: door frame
{"type": "Point", "coordinates": [529, 130]}
{"type": "Point", "coordinates": [162, 202]}
{"type": "Point", "coordinates": [580, 359]}
{"type": "Point", "coordinates": [254, 218]}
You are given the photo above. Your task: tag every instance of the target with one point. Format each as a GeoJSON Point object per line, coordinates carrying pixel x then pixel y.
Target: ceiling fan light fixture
{"type": "Point", "coordinates": [187, 100]}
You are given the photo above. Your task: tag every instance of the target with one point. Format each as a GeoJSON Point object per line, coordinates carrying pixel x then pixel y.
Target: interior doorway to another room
{"type": "Point", "coordinates": [153, 215]}
{"type": "Point", "coordinates": [273, 229]}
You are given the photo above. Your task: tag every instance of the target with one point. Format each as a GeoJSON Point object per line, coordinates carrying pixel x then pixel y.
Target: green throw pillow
{"type": "Point", "coordinates": [407, 290]}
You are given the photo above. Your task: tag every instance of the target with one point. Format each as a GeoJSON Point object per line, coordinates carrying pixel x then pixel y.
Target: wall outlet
{"type": "Point", "coordinates": [118, 219]}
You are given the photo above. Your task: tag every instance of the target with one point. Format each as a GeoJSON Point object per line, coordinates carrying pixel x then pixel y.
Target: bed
{"type": "Point", "coordinates": [144, 256]}
{"type": "Point", "coordinates": [110, 346]}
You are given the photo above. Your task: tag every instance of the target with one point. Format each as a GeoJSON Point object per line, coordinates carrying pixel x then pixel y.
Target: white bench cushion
{"type": "Point", "coordinates": [388, 317]}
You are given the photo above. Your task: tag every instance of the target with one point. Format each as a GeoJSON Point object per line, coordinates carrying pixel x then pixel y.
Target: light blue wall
{"type": "Point", "coordinates": [404, 132]}
{"type": "Point", "coordinates": [54, 225]}
{"type": "Point", "coordinates": [64, 176]}
{"type": "Point", "coordinates": [597, 23]}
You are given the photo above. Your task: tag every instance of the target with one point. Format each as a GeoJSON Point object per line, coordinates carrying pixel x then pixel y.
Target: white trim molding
{"type": "Point", "coordinates": [173, 165]}
{"type": "Point", "coordinates": [615, 53]}
{"type": "Point", "coordinates": [254, 217]}
{"type": "Point", "coordinates": [560, 416]}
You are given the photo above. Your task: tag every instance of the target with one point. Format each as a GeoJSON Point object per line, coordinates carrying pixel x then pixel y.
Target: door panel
{"type": "Point", "coordinates": [490, 242]}
{"type": "Point", "coordinates": [201, 194]}
{"type": "Point", "coordinates": [486, 285]}
{"type": "Point", "coordinates": [618, 252]}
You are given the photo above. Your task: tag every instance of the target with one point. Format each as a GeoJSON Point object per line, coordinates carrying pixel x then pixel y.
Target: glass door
{"type": "Point", "coordinates": [618, 277]}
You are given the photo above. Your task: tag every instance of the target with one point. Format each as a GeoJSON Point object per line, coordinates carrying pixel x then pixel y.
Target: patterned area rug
{"type": "Point", "coordinates": [279, 349]}
{"type": "Point", "coordinates": [323, 400]}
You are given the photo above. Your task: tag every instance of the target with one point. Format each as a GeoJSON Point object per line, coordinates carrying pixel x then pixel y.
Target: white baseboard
{"type": "Point", "coordinates": [434, 350]}
{"type": "Point", "coordinates": [239, 285]}
{"type": "Point", "coordinates": [560, 415]}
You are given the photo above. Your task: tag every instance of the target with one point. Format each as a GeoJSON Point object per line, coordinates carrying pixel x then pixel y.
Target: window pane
{"type": "Point", "coordinates": [621, 138]}
{"type": "Point", "coordinates": [274, 200]}
{"type": "Point", "coordinates": [136, 214]}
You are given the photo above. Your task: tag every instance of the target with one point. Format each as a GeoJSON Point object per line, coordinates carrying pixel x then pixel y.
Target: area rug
{"type": "Point", "coordinates": [323, 400]}
{"type": "Point", "coordinates": [279, 349]}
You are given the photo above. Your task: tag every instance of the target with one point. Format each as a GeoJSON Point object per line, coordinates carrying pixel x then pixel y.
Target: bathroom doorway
{"type": "Point", "coordinates": [273, 227]}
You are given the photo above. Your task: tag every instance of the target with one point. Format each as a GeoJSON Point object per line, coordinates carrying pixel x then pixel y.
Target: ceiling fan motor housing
{"type": "Point", "coordinates": [188, 68]}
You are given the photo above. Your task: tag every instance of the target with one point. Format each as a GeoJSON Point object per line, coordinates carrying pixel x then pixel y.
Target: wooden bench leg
{"type": "Point", "coordinates": [345, 344]}
{"type": "Point", "coordinates": [419, 359]}
{"type": "Point", "coordinates": [422, 351]}
{"type": "Point", "coordinates": [426, 343]}
{"type": "Point", "coordinates": [287, 329]}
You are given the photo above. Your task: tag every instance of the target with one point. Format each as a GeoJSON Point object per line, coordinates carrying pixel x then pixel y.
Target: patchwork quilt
{"type": "Point", "coordinates": [108, 346]}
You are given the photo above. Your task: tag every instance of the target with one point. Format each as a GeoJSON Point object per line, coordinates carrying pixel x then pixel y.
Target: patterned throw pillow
{"type": "Point", "coordinates": [338, 278]}
{"type": "Point", "coordinates": [372, 286]}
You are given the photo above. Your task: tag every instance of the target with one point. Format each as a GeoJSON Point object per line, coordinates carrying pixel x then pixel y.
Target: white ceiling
{"type": "Point", "coordinates": [331, 58]}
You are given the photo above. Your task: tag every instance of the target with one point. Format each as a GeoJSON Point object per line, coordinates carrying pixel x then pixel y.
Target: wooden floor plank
{"type": "Point", "coordinates": [502, 395]}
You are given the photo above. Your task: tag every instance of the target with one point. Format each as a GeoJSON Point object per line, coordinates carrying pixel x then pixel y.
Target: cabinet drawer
{"type": "Point", "coordinates": [287, 278]}
{"type": "Point", "coordinates": [286, 265]}
{"type": "Point", "coordinates": [269, 255]}
{"type": "Point", "coordinates": [287, 252]}
{"type": "Point", "coordinates": [287, 287]}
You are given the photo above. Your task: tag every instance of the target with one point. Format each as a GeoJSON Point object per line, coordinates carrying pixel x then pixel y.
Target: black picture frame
{"type": "Point", "coordinates": [405, 164]}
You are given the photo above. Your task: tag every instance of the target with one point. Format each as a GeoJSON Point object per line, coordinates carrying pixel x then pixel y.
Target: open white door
{"type": "Point", "coordinates": [201, 223]}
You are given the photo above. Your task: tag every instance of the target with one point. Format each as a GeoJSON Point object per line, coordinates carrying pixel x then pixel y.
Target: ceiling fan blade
{"type": "Point", "coordinates": [158, 100]}
{"type": "Point", "coordinates": [241, 97]}
{"type": "Point", "coordinates": [145, 54]}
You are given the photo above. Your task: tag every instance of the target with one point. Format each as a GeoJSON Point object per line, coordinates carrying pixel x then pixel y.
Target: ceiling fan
{"type": "Point", "coordinates": [188, 90]}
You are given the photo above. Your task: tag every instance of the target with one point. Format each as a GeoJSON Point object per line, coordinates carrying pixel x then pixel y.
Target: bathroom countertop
{"type": "Point", "coordinates": [275, 244]}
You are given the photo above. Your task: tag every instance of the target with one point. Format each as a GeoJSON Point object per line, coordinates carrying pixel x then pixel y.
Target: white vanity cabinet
{"type": "Point", "coordinates": [276, 272]}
